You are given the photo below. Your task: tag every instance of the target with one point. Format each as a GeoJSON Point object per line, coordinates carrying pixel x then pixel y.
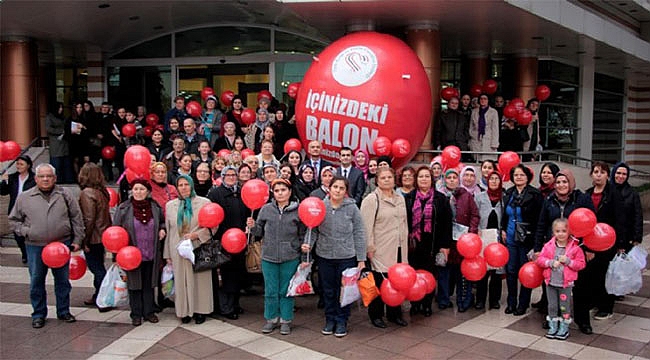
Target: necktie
{"type": "Point", "coordinates": [345, 173]}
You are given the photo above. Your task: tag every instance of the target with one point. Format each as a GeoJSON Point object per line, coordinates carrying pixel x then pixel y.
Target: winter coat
{"type": "Point", "coordinates": [159, 151]}
{"type": "Point", "coordinates": [442, 227]}
{"type": "Point", "coordinates": [282, 230]}
{"type": "Point", "coordinates": [531, 204]}
{"type": "Point", "coordinates": [96, 214]}
{"type": "Point", "coordinates": [570, 270]}
{"type": "Point", "coordinates": [55, 127]}
{"type": "Point", "coordinates": [452, 129]}
{"type": "Point", "coordinates": [341, 235]}
{"type": "Point", "coordinates": [10, 187]}
{"type": "Point", "coordinates": [490, 140]}
{"type": "Point", "coordinates": [606, 211]}
{"type": "Point", "coordinates": [466, 210]}
{"type": "Point", "coordinates": [163, 194]}
{"type": "Point", "coordinates": [629, 216]}
{"type": "Point", "coordinates": [553, 209]}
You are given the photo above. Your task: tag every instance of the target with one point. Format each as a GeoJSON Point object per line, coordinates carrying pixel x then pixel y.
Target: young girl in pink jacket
{"type": "Point", "coordinates": [561, 258]}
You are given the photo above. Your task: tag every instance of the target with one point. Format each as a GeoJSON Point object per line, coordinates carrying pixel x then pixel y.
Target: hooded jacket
{"type": "Point", "coordinates": [342, 234]}
{"type": "Point", "coordinates": [570, 270]}
{"type": "Point", "coordinates": [282, 230]}
{"type": "Point", "coordinates": [629, 215]}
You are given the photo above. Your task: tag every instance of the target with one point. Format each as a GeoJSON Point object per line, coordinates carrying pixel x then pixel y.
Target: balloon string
{"type": "Point", "coordinates": [121, 177]}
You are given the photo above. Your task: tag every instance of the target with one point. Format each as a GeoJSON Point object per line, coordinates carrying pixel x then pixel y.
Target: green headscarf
{"type": "Point", "coordinates": [184, 216]}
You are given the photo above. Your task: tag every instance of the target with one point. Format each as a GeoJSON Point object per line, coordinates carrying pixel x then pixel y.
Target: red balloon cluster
{"type": "Point", "coordinates": [9, 150]}
{"type": "Point", "coordinates": [137, 160]}
{"type": "Point", "coordinates": [469, 245]}
{"type": "Point", "coordinates": [108, 152]}
{"type": "Point", "coordinates": [193, 109]}
{"type": "Point", "coordinates": [382, 146]}
{"type": "Point", "coordinates": [524, 117]}
{"type": "Point", "coordinates": [405, 283]}
{"type": "Point", "coordinates": [248, 116]}
{"type": "Point", "coordinates": [401, 148]}
{"type": "Point", "coordinates": [582, 222]}
{"type": "Point", "coordinates": [496, 255]}
{"type": "Point", "coordinates": [473, 269]}
{"type": "Point", "coordinates": [129, 258]}
{"type": "Point", "coordinates": [129, 130]}
{"type": "Point", "coordinates": [531, 275]}
{"type": "Point", "coordinates": [152, 120]}
{"type": "Point", "coordinates": [113, 197]}
{"type": "Point", "coordinates": [210, 215]}
{"type": "Point", "coordinates": [292, 144]}
{"type": "Point", "coordinates": [207, 91]}
{"type": "Point", "coordinates": [233, 241]}
{"type": "Point", "coordinates": [115, 238]}
{"type": "Point", "coordinates": [311, 211]}
{"type": "Point", "coordinates": [450, 157]}
{"type": "Point", "coordinates": [510, 111]}
{"type": "Point", "coordinates": [602, 238]}
{"type": "Point", "coordinates": [507, 161]}
{"type": "Point", "coordinates": [55, 255]}
{"type": "Point", "coordinates": [226, 97]}
{"type": "Point", "coordinates": [449, 92]}
{"type": "Point", "coordinates": [78, 267]}
{"type": "Point", "coordinates": [255, 193]}
{"type": "Point", "coordinates": [292, 89]}
{"type": "Point", "coordinates": [148, 130]}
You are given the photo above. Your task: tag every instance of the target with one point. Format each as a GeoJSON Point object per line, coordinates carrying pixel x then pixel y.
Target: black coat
{"type": "Point", "coordinates": [442, 227]}
{"type": "Point", "coordinates": [629, 216]}
{"type": "Point", "coordinates": [553, 209]}
{"type": "Point", "coordinates": [159, 151]}
{"type": "Point", "coordinates": [452, 128]}
{"type": "Point", "coordinates": [531, 204]}
{"type": "Point", "coordinates": [10, 187]}
{"type": "Point", "coordinates": [357, 184]}
{"type": "Point", "coordinates": [606, 211]}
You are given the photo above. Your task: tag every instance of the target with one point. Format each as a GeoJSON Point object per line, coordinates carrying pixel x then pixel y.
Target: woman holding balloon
{"type": "Point", "coordinates": [15, 184]}
{"type": "Point", "coordinates": [143, 220]}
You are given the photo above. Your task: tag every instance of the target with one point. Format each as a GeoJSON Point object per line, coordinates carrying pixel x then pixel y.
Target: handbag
{"type": "Point", "coordinates": [209, 255]}
{"type": "Point", "coordinates": [521, 232]}
{"type": "Point", "coordinates": [254, 257]}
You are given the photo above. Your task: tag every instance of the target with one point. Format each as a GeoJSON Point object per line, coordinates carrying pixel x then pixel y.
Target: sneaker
{"type": "Point", "coordinates": [341, 330]}
{"type": "Point", "coordinates": [69, 318]}
{"type": "Point", "coordinates": [285, 328]}
{"type": "Point", "coordinates": [601, 315]}
{"type": "Point", "coordinates": [269, 326]}
{"type": "Point", "coordinates": [329, 328]}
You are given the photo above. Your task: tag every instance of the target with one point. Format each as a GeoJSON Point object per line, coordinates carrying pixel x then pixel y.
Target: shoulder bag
{"type": "Point", "coordinates": [209, 255]}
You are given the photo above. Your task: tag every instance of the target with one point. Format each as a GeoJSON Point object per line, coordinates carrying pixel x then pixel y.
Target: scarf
{"type": "Point", "coordinates": [481, 121]}
{"type": "Point", "coordinates": [473, 189]}
{"type": "Point", "coordinates": [495, 195]}
{"type": "Point", "coordinates": [546, 189]}
{"type": "Point", "coordinates": [363, 168]}
{"type": "Point", "coordinates": [422, 213]}
{"type": "Point", "coordinates": [568, 174]}
{"type": "Point", "coordinates": [184, 216]}
{"type": "Point", "coordinates": [142, 210]}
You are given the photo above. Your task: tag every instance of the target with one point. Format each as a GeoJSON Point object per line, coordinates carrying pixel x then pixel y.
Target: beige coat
{"type": "Point", "coordinates": [193, 290]}
{"type": "Point", "coordinates": [387, 231]}
{"type": "Point", "coordinates": [490, 141]}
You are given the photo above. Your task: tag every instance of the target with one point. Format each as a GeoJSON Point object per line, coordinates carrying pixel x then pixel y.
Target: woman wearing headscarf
{"type": "Point", "coordinates": [211, 120]}
{"type": "Point", "coordinates": [361, 160]}
{"type": "Point", "coordinates": [306, 182]}
{"type": "Point", "coordinates": [193, 289]}
{"type": "Point", "coordinates": [14, 185]}
{"type": "Point", "coordinates": [629, 215]}
{"type": "Point", "coordinates": [487, 168]}
{"type": "Point", "coordinates": [161, 191]}
{"type": "Point", "coordinates": [484, 128]}
{"type": "Point", "coordinates": [532, 129]}
{"type": "Point", "coordinates": [254, 135]}
{"type": "Point", "coordinates": [547, 178]}
{"type": "Point", "coordinates": [234, 115]}
{"type": "Point", "coordinates": [143, 220]}
{"type": "Point", "coordinates": [326, 175]}
{"type": "Point", "coordinates": [469, 180]}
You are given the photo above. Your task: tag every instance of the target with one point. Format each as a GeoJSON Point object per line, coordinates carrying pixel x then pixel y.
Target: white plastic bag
{"type": "Point", "coordinates": [167, 282]}
{"type": "Point", "coordinates": [349, 288]}
{"type": "Point", "coordinates": [114, 291]}
{"type": "Point", "coordinates": [300, 283]}
{"type": "Point", "coordinates": [623, 275]}
{"type": "Point", "coordinates": [186, 250]}
{"type": "Point", "coordinates": [639, 255]}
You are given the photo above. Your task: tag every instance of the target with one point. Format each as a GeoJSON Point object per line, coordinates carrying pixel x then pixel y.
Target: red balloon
{"type": "Point", "coordinates": [401, 148]}
{"type": "Point", "coordinates": [248, 116]}
{"type": "Point", "coordinates": [148, 130]}
{"type": "Point", "coordinates": [390, 295]}
{"type": "Point", "coordinates": [77, 267]}
{"type": "Point", "coordinates": [518, 103]}
{"type": "Point", "coordinates": [292, 89]}
{"type": "Point", "coordinates": [490, 86]}
{"type": "Point", "coordinates": [210, 215]}
{"type": "Point", "coordinates": [233, 241]}
{"type": "Point", "coordinates": [292, 144]}
{"type": "Point", "coordinates": [108, 152]}
{"type": "Point", "coordinates": [524, 117]}
{"type": "Point", "coordinates": [311, 211]}
{"type": "Point", "coordinates": [496, 255]}
{"type": "Point", "coordinates": [11, 150]}
{"type": "Point", "coordinates": [473, 269]}
{"type": "Point", "coordinates": [160, 127]}
{"type": "Point", "coordinates": [152, 120]}
{"type": "Point", "coordinates": [255, 193]}
{"type": "Point", "coordinates": [542, 92]}
{"type": "Point", "coordinates": [55, 255]}
{"type": "Point", "coordinates": [469, 245]}
{"type": "Point", "coordinates": [246, 153]}
{"type": "Point", "coordinates": [582, 222]}
{"type": "Point", "coordinates": [402, 276]}
{"type": "Point", "coordinates": [510, 111]}
{"type": "Point", "coordinates": [224, 153]}
{"type": "Point", "coordinates": [428, 277]}
{"type": "Point", "coordinates": [129, 258]}
{"type": "Point", "coordinates": [132, 175]}
{"type": "Point", "coordinates": [193, 109]}
{"type": "Point", "coordinates": [507, 161]}
{"type": "Point", "coordinates": [264, 94]}
{"type": "Point", "coordinates": [129, 130]}
{"type": "Point", "coordinates": [226, 97]}
{"type": "Point", "coordinates": [531, 275]}
{"type": "Point", "coordinates": [114, 238]}
{"type": "Point", "coordinates": [382, 146]}
{"type": "Point", "coordinates": [476, 90]}
{"type": "Point", "coordinates": [138, 159]}
{"type": "Point", "coordinates": [602, 238]}
{"type": "Point", "coordinates": [448, 93]}
{"type": "Point", "coordinates": [450, 156]}
{"type": "Point", "coordinates": [207, 91]}
{"type": "Point", "coordinates": [377, 94]}
{"type": "Point", "coordinates": [418, 290]}
{"type": "Point", "coordinates": [114, 198]}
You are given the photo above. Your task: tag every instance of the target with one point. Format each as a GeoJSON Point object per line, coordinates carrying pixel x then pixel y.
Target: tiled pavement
{"type": "Point", "coordinates": [446, 335]}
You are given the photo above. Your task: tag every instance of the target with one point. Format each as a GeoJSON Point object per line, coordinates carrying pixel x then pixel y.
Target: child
{"type": "Point", "coordinates": [561, 258]}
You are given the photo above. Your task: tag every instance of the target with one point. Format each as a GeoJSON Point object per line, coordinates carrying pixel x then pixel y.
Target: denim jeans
{"type": "Point", "coordinates": [518, 257]}
{"type": "Point", "coordinates": [63, 166]}
{"type": "Point", "coordinates": [37, 293]}
{"type": "Point", "coordinates": [95, 262]}
{"type": "Point", "coordinates": [330, 273]}
{"type": "Point", "coordinates": [276, 282]}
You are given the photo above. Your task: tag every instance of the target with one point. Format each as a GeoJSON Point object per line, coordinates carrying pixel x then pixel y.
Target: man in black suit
{"type": "Point", "coordinates": [354, 175]}
{"type": "Point", "coordinates": [314, 159]}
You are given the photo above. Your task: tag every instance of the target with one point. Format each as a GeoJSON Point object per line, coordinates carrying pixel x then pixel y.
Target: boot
{"type": "Point", "coordinates": [563, 330]}
{"type": "Point", "coordinates": [552, 327]}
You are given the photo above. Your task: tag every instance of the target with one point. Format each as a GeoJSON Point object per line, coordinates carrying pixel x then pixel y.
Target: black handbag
{"type": "Point", "coordinates": [209, 255]}
{"type": "Point", "coordinates": [521, 232]}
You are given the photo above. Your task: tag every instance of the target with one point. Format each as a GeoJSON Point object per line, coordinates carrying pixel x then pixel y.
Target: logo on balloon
{"type": "Point", "coordinates": [354, 66]}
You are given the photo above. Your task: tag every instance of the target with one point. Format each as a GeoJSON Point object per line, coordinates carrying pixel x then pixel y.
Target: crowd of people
{"type": "Point", "coordinates": [376, 216]}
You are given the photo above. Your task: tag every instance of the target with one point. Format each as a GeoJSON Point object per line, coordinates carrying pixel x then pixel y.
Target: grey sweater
{"type": "Point", "coordinates": [485, 208]}
{"type": "Point", "coordinates": [342, 234]}
{"type": "Point", "coordinates": [282, 231]}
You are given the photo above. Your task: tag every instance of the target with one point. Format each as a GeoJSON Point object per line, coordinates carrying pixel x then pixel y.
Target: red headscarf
{"type": "Point", "coordinates": [495, 195]}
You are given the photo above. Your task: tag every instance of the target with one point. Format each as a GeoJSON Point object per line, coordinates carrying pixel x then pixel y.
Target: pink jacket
{"type": "Point", "coordinates": [573, 252]}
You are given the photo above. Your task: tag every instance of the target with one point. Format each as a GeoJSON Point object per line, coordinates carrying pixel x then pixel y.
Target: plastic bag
{"type": "Point", "coordinates": [114, 291]}
{"type": "Point", "coordinates": [623, 275]}
{"type": "Point", "coordinates": [367, 287]}
{"type": "Point", "coordinates": [349, 288]}
{"type": "Point", "coordinates": [300, 284]}
{"type": "Point", "coordinates": [186, 250]}
{"type": "Point", "coordinates": [639, 255]}
{"type": "Point", "coordinates": [167, 282]}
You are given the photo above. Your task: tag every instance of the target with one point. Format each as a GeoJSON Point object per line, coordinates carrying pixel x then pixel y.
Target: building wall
{"type": "Point", "coordinates": [637, 126]}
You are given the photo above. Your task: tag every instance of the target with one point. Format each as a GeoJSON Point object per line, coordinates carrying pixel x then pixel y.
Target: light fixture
{"type": "Point", "coordinates": [236, 48]}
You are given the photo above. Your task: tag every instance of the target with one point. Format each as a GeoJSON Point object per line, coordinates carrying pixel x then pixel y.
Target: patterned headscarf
{"type": "Point", "coordinates": [185, 209]}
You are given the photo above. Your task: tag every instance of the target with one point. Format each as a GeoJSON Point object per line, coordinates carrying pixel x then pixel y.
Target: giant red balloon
{"type": "Point", "coordinates": [246, 153]}
{"type": "Point", "coordinates": [496, 255]}
{"type": "Point", "coordinates": [77, 267]}
{"type": "Point", "coordinates": [401, 148]}
{"type": "Point", "coordinates": [390, 295]}
{"type": "Point", "coordinates": [255, 193]}
{"type": "Point", "coordinates": [448, 93]}
{"type": "Point", "coordinates": [226, 97]}
{"type": "Point", "coordinates": [292, 89]}
{"type": "Point", "coordinates": [542, 92]}
{"type": "Point", "coordinates": [507, 161]}
{"type": "Point", "coordinates": [476, 90]}
{"type": "Point", "coordinates": [114, 198]}
{"type": "Point", "coordinates": [292, 144]}
{"type": "Point", "coordinates": [418, 290]}
{"type": "Point", "coordinates": [450, 156]}
{"type": "Point", "coordinates": [524, 117]}
{"type": "Point", "coordinates": [357, 90]}
{"type": "Point", "coordinates": [233, 241]}
{"type": "Point", "coordinates": [402, 276]}
{"type": "Point", "coordinates": [55, 255]}
{"type": "Point", "coordinates": [490, 86]}
{"type": "Point", "coordinates": [382, 146]}
{"type": "Point", "coordinates": [469, 245]}
{"type": "Point", "coordinates": [248, 116]}
{"type": "Point", "coordinates": [138, 159]}
{"type": "Point", "coordinates": [129, 130]}
{"type": "Point", "coordinates": [473, 269]}
{"type": "Point", "coordinates": [429, 279]}
{"type": "Point", "coordinates": [207, 91]}
{"type": "Point", "coordinates": [193, 109]}
{"type": "Point", "coordinates": [510, 111]}
{"type": "Point", "coordinates": [129, 258]}
{"type": "Point", "coordinates": [312, 211]}
{"type": "Point", "coordinates": [11, 150]}
{"type": "Point", "coordinates": [531, 275]}
{"type": "Point", "coordinates": [108, 152]}
{"type": "Point", "coordinates": [582, 222]}
{"type": "Point", "coordinates": [152, 120]}
{"type": "Point", "coordinates": [264, 94]}
{"type": "Point", "coordinates": [602, 238]}
{"type": "Point", "coordinates": [114, 238]}
{"type": "Point", "coordinates": [518, 103]}
{"type": "Point", "coordinates": [210, 215]}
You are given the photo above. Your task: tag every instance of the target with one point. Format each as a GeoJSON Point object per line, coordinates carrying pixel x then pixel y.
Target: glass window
{"type": "Point", "coordinates": [608, 118]}
{"type": "Point", "coordinates": [287, 73]}
{"type": "Point", "coordinates": [294, 44]}
{"type": "Point", "coordinates": [133, 86]}
{"type": "Point", "coordinates": [223, 41]}
{"type": "Point", "coordinates": [450, 76]}
{"type": "Point", "coordinates": [156, 48]}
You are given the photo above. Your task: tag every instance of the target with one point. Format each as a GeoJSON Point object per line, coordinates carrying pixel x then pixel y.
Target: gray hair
{"type": "Point", "coordinates": [45, 165]}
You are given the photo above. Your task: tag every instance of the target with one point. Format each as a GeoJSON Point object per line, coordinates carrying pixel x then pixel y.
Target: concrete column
{"type": "Point", "coordinates": [18, 94]}
{"type": "Point", "coordinates": [478, 65]}
{"type": "Point", "coordinates": [525, 75]}
{"type": "Point", "coordinates": [586, 99]}
{"type": "Point", "coordinates": [96, 75]}
{"type": "Point", "coordinates": [424, 39]}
